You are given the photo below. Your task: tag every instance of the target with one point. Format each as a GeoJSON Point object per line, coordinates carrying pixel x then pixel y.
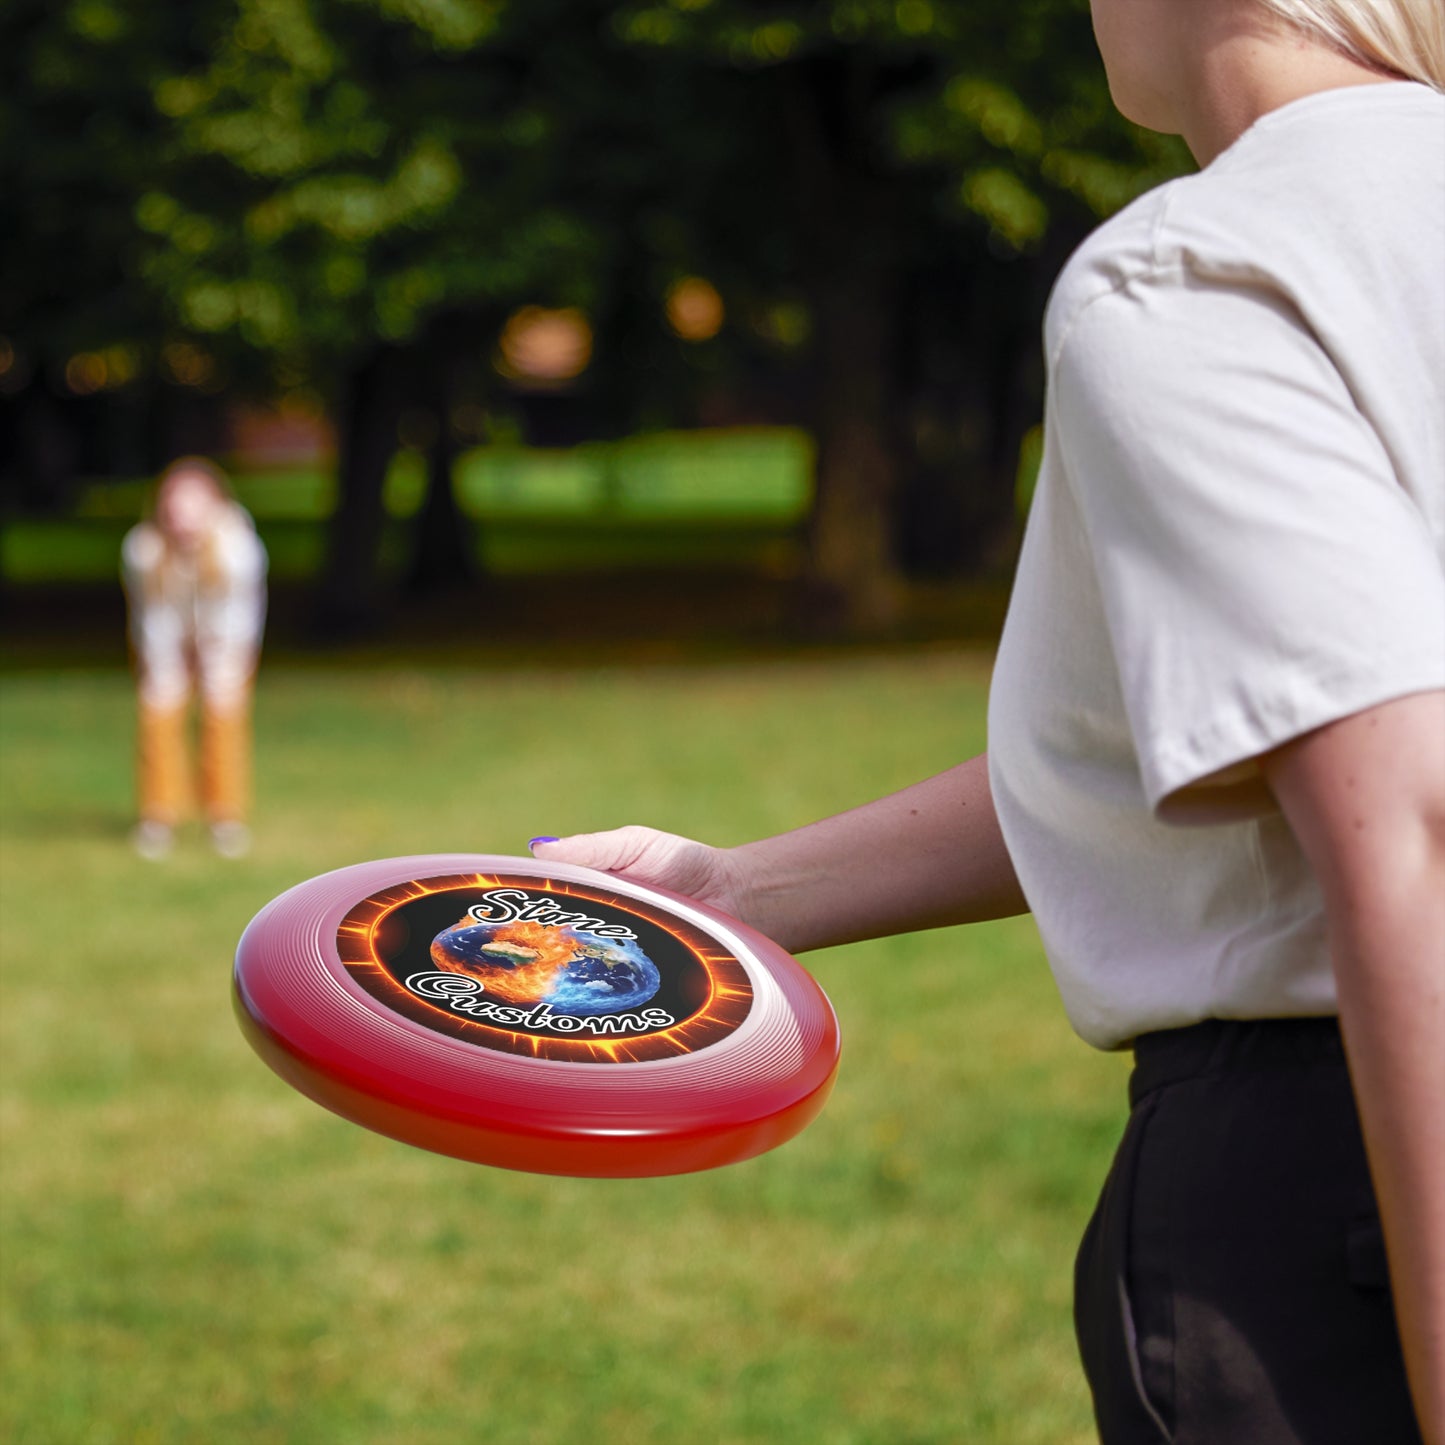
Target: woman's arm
{"type": "Point", "coordinates": [1366, 799]}
{"type": "Point", "coordinates": [926, 857]}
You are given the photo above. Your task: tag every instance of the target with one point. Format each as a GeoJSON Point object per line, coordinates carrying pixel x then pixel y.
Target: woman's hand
{"type": "Point", "coordinates": [661, 860]}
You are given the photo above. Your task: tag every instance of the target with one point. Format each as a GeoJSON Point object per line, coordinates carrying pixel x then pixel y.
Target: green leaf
{"type": "Point", "coordinates": [1013, 211]}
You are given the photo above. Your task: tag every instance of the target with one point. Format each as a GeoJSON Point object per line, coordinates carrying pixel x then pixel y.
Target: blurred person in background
{"type": "Point", "coordinates": [195, 583]}
{"type": "Point", "coordinates": [1216, 766]}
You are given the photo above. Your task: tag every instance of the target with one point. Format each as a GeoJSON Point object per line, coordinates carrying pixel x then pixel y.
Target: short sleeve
{"type": "Point", "coordinates": [1262, 569]}
{"type": "Point", "coordinates": [231, 618]}
{"type": "Point", "coordinates": [140, 554]}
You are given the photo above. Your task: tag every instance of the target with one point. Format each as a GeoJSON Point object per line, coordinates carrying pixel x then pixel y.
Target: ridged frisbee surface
{"type": "Point", "coordinates": [535, 1016]}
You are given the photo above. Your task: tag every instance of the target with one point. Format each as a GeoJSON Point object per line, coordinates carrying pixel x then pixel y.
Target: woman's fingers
{"type": "Point", "coordinates": [615, 851]}
{"type": "Point", "coordinates": [645, 855]}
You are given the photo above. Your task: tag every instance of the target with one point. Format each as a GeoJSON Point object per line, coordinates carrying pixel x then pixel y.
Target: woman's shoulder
{"type": "Point", "coordinates": [1336, 193]}
{"type": "Point", "coordinates": [1109, 259]}
{"type": "Point", "coordinates": [142, 549]}
{"type": "Point", "coordinates": [238, 548]}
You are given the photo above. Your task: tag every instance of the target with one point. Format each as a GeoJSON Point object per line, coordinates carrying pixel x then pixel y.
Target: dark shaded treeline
{"type": "Point", "coordinates": [339, 198]}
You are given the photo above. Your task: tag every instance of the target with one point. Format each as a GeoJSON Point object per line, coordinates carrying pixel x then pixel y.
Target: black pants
{"type": "Point", "coordinates": [1231, 1288]}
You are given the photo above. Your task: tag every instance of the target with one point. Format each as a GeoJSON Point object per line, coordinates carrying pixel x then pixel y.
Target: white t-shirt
{"type": "Point", "coordinates": [1238, 536]}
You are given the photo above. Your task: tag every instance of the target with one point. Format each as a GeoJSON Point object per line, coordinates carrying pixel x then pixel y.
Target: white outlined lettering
{"type": "Point", "coordinates": [465, 995]}
{"type": "Point", "coordinates": [515, 905]}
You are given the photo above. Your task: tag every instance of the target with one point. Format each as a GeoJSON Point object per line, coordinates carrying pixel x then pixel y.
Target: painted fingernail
{"type": "Point", "coordinates": [532, 843]}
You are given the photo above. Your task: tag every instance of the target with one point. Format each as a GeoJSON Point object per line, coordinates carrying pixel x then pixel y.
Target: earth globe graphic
{"type": "Point", "coordinates": [571, 972]}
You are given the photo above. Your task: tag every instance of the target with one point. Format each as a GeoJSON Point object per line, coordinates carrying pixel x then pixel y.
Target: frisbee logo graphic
{"type": "Point", "coordinates": [535, 1016]}
{"type": "Point", "coordinates": [565, 972]}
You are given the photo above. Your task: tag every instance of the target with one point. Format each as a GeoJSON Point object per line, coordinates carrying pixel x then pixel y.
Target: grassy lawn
{"type": "Point", "coordinates": [191, 1252]}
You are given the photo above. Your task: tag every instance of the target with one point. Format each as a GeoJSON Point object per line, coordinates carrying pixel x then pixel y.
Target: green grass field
{"type": "Point", "coordinates": [193, 1253]}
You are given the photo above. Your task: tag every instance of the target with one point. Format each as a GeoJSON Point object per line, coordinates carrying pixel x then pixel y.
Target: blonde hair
{"type": "Point", "coordinates": [1404, 37]}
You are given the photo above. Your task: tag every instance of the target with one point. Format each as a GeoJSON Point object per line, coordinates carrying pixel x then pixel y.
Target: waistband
{"type": "Point", "coordinates": [1225, 1046]}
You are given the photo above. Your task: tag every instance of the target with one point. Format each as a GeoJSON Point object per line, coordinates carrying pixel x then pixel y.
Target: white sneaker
{"type": "Point", "coordinates": [152, 840]}
{"type": "Point", "coordinates": [231, 839]}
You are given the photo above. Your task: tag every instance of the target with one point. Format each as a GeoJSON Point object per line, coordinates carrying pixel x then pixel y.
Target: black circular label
{"type": "Point", "coordinates": [548, 969]}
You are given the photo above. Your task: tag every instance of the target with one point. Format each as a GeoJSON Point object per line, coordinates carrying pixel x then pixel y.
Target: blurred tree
{"type": "Point", "coordinates": [367, 189]}
{"type": "Point", "coordinates": [363, 190]}
{"type": "Point", "coordinates": [353, 195]}
{"type": "Point", "coordinates": [79, 139]}
{"type": "Point", "coordinates": [919, 170]}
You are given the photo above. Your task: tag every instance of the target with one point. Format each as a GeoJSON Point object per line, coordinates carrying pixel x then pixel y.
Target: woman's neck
{"type": "Point", "coordinates": [1243, 70]}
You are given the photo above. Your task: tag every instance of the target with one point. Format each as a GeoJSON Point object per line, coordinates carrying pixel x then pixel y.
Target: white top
{"type": "Point", "coordinates": [1238, 536]}
{"type": "Point", "coordinates": [196, 619]}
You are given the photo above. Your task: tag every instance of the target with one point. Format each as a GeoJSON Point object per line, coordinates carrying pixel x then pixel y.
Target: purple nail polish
{"type": "Point", "coordinates": [532, 842]}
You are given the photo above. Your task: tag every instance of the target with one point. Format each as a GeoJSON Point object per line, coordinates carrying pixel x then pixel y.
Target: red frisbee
{"type": "Point", "coordinates": [535, 1016]}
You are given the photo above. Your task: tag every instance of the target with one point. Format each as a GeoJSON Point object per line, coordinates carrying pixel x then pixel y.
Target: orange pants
{"type": "Point", "coordinates": [163, 762]}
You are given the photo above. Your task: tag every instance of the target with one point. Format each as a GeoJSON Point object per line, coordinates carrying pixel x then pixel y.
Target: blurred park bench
{"type": "Point", "coordinates": [735, 498]}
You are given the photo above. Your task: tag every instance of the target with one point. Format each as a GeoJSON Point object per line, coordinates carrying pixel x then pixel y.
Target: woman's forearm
{"type": "Point", "coordinates": [1389, 957]}
{"type": "Point", "coordinates": [1365, 797]}
{"type": "Point", "coordinates": [926, 857]}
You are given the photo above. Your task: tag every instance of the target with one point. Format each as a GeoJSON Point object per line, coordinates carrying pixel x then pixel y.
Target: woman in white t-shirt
{"type": "Point", "coordinates": [195, 582]}
{"type": "Point", "coordinates": [1216, 771]}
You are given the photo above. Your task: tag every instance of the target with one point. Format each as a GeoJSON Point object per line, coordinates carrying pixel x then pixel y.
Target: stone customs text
{"type": "Point", "coordinates": [464, 996]}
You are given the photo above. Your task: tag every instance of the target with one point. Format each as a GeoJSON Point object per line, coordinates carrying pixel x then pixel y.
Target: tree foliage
{"type": "Point", "coordinates": [353, 194]}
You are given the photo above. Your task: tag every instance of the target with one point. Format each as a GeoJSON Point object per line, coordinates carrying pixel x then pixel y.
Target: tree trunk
{"type": "Point", "coordinates": [442, 557]}
{"type": "Point", "coordinates": [851, 553]}
{"type": "Point", "coordinates": [47, 450]}
{"type": "Point", "coordinates": [350, 601]}
{"type": "Point", "coordinates": [851, 262]}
